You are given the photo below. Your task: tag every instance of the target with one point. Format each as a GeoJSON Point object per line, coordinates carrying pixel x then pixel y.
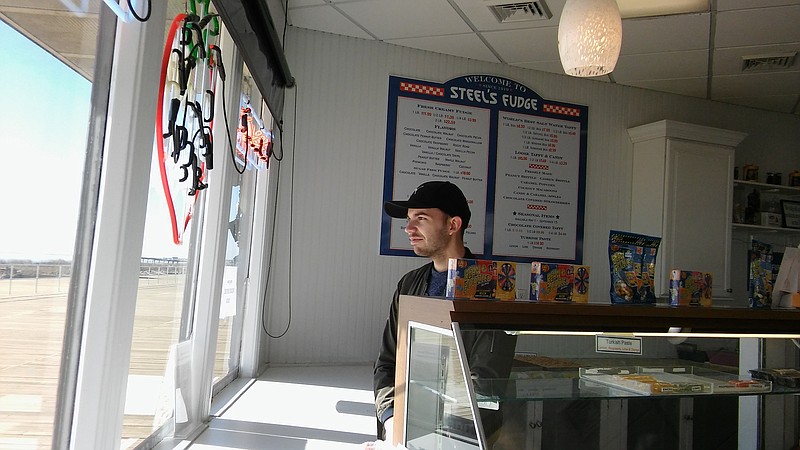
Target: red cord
{"type": "Point", "coordinates": [176, 23]}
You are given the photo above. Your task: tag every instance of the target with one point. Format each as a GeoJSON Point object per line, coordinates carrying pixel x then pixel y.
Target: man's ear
{"type": "Point", "coordinates": [455, 224]}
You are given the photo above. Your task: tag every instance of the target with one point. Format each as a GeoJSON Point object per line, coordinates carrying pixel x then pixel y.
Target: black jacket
{"type": "Point", "coordinates": [490, 354]}
{"type": "Point", "coordinates": [412, 283]}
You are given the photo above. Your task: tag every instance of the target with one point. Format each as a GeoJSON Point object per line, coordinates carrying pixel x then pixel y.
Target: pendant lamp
{"type": "Point", "coordinates": [589, 37]}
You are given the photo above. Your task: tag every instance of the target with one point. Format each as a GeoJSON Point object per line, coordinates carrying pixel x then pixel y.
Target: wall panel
{"type": "Point", "coordinates": [341, 287]}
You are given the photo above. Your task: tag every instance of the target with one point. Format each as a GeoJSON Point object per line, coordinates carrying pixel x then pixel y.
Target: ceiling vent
{"type": "Point", "coordinates": [761, 63]}
{"type": "Point", "coordinates": [519, 11]}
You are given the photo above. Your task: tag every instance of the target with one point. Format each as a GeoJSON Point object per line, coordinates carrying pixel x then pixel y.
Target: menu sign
{"type": "Point", "coordinates": [519, 159]}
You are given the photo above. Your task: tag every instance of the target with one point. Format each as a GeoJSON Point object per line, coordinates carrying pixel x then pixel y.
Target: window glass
{"type": "Point", "coordinates": [253, 145]}
{"type": "Point", "coordinates": [45, 87]}
{"type": "Point", "coordinates": [44, 117]}
{"type": "Point", "coordinates": [167, 274]}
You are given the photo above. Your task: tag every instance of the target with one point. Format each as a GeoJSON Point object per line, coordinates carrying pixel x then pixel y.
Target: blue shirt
{"type": "Point", "coordinates": [437, 283]}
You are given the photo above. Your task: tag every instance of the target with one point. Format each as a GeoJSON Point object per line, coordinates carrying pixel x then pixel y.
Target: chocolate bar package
{"type": "Point", "coordinates": [632, 260]}
{"type": "Point", "coordinates": [690, 288]}
{"type": "Point", "coordinates": [481, 279]}
{"type": "Point", "coordinates": [559, 282]}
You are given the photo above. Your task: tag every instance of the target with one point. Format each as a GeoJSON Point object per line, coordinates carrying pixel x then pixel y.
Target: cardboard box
{"type": "Point", "coordinates": [690, 288]}
{"type": "Point", "coordinates": [481, 279]}
{"type": "Point", "coordinates": [559, 282]}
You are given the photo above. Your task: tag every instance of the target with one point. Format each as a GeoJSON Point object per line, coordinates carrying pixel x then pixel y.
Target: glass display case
{"type": "Point", "coordinates": [595, 376]}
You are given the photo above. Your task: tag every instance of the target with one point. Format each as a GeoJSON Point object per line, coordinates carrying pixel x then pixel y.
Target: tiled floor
{"type": "Point", "coordinates": [297, 408]}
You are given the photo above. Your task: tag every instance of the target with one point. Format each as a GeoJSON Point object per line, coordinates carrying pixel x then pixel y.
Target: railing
{"type": "Point", "coordinates": [35, 279]}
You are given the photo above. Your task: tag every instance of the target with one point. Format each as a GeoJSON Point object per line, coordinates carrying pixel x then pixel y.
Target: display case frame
{"type": "Point", "coordinates": [751, 326]}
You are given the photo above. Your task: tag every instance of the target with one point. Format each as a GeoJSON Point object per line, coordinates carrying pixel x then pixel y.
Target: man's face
{"type": "Point", "coordinates": [427, 230]}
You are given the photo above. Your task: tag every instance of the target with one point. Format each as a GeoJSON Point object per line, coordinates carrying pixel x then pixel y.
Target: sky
{"type": "Point", "coordinates": [44, 117]}
{"type": "Point", "coordinates": [44, 110]}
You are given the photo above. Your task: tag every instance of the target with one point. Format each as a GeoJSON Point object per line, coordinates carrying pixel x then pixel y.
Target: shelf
{"type": "Point", "coordinates": [769, 188]}
{"type": "Point", "coordinates": [524, 386]}
{"type": "Point", "coordinates": [764, 228]}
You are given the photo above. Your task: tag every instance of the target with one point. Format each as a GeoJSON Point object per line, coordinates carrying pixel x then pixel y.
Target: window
{"type": "Point", "coordinates": [46, 87]}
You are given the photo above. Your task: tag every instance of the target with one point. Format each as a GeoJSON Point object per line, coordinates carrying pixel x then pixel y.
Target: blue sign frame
{"type": "Point", "coordinates": [495, 101]}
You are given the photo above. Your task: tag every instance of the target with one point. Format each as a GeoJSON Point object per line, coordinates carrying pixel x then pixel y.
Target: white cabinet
{"type": "Point", "coordinates": [683, 192]}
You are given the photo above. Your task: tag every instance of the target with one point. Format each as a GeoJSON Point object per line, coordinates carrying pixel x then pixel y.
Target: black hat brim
{"type": "Point", "coordinates": [397, 209]}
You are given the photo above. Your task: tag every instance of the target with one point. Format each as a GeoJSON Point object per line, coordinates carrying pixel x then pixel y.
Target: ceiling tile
{"type": "Point", "coordinates": [780, 103]}
{"type": "Point", "coordinates": [464, 45]}
{"type": "Point", "coordinates": [325, 18]}
{"type": "Point", "coordinates": [655, 66]}
{"type": "Point", "coordinates": [515, 46]}
{"type": "Point", "coordinates": [665, 34]}
{"type": "Point", "coordinates": [552, 66]}
{"type": "Point", "coordinates": [393, 19]}
{"type": "Point", "coordinates": [729, 5]}
{"type": "Point", "coordinates": [693, 87]}
{"type": "Point", "coordinates": [756, 84]}
{"type": "Point", "coordinates": [758, 26]}
{"type": "Point", "coordinates": [728, 61]}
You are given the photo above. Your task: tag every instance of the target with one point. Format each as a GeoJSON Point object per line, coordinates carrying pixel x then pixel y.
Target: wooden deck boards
{"type": "Point", "coordinates": [31, 332]}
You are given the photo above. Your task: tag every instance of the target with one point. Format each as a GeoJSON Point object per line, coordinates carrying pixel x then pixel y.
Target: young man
{"type": "Point", "coordinates": [438, 214]}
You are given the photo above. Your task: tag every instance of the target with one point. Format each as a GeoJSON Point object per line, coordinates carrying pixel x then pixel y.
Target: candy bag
{"type": "Point", "coordinates": [632, 259]}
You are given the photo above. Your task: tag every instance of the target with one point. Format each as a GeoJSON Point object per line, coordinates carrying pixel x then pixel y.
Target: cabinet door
{"type": "Point", "coordinates": [697, 208]}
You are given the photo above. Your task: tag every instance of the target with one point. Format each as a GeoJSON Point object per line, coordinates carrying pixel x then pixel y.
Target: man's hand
{"type": "Point", "coordinates": [388, 426]}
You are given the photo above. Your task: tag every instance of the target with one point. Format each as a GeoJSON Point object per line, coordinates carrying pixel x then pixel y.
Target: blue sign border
{"type": "Point", "coordinates": [497, 94]}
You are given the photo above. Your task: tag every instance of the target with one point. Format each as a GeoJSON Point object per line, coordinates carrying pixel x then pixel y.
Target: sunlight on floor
{"type": "Point", "coordinates": [298, 408]}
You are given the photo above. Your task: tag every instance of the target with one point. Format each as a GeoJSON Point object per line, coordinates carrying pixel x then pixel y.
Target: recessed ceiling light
{"type": "Point", "coordinates": [649, 8]}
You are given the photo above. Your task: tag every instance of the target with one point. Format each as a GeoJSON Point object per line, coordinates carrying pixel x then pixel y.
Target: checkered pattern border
{"type": "Point", "coordinates": [421, 89]}
{"type": "Point", "coordinates": [539, 166]}
{"type": "Point", "coordinates": [563, 110]}
{"type": "Point", "coordinates": [538, 207]}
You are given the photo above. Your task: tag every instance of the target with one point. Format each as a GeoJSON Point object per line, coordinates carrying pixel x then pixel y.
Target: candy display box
{"type": "Point", "coordinates": [690, 288]}
{"type": "Point", "coordinates": [481, 279]}
{"type": "Point", "coordinates": [559, 282]}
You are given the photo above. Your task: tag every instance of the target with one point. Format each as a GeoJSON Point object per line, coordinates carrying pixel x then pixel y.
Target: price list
{"type": "Point", "coordinates": [442, 141]}
{"type": "Point", "coordinates": [536, 200]}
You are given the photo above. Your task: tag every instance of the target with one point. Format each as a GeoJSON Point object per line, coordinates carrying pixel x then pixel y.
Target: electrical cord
{"type": "Point", "coordinates": [275, 212]}
{"type": "Point", "coordinates": [136, 15]}
{"type": "Point", "coordinates": [291, 227]}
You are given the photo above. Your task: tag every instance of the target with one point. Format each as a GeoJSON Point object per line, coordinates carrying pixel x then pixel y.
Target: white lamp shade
{"type": "Point", "coordinates": [589, 37]}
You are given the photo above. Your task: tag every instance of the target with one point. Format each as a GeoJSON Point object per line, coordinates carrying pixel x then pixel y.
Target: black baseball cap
{"type": "Point", "coordinates": [432, 194]}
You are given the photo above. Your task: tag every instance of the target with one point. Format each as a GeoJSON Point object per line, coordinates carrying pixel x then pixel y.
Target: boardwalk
{"type": "Point", "coordinates": [31, 334]}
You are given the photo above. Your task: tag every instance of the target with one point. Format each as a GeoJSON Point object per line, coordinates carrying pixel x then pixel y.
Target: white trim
{"type": "Point", "coordinates": [213, 243]}
{"type": "Point", "coordinates": [680, 130]}
{"type": "Point", "coordinates": [253, 336]}
{"type": "Point", "coordinates": [113, 281]}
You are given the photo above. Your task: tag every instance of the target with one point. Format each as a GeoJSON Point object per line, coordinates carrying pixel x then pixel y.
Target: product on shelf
{"type": "Point", "coordinates": [750, 172]}
{"type": "Point", "coordinates": [546, 362]}
{"type": "Point", "coordinates": [690, 288]}
{"type": "Point", "coordinates": [784, 377]}
{"type": "Point", "coordinates": [672, 380]}
{"type": "Point", "coordinates": [760, 275]}
{"type": "Point", "coordinates": [794, 178]}
{"type": "Point", "coordinates": [481, 279]}
{"type": "Point", "coordinates": [559, 282]}
{"type": "Point", "coordinates": [632, 258]}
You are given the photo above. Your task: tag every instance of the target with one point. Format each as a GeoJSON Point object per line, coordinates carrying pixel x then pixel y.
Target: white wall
{"type": "Point", "coordinates": [330, 198]}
